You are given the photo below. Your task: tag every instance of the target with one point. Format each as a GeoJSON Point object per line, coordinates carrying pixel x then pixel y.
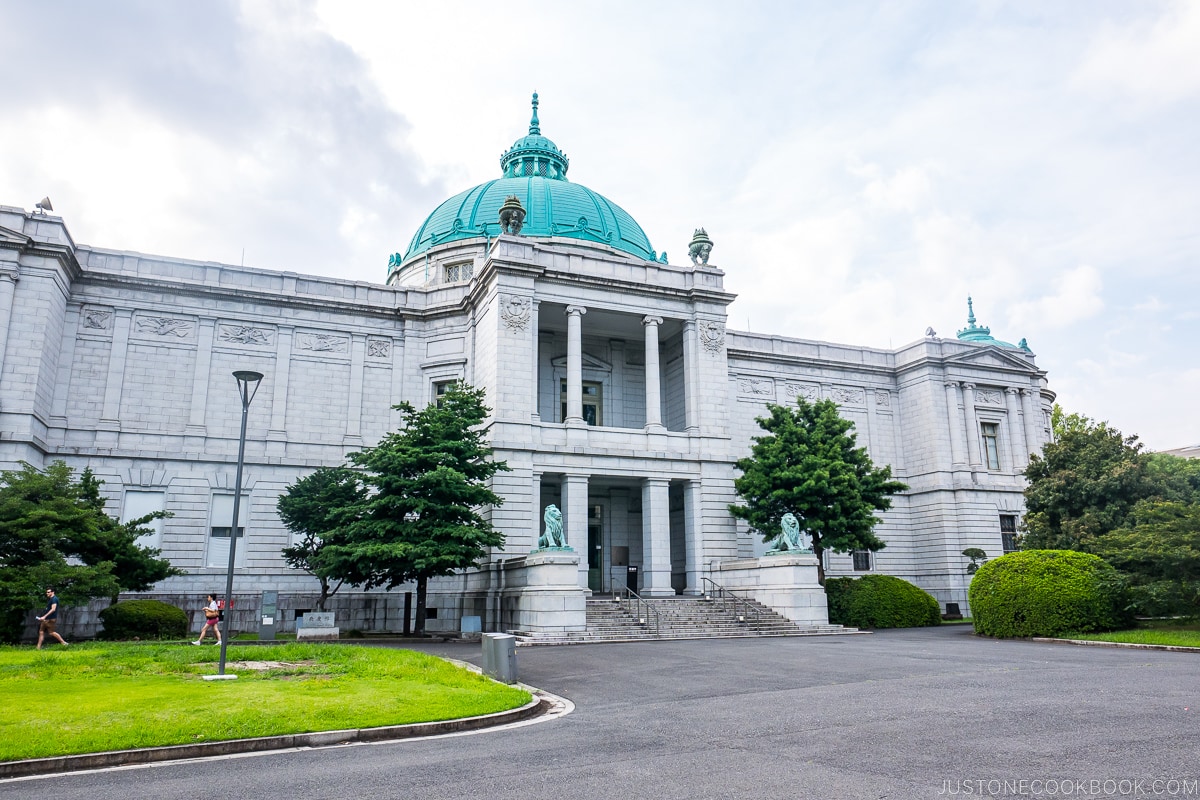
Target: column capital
{"type": "Point", "coordinates": [649, 320]}
{"type": "Point", "coordinates": [968, 385]}
{"type": "Point", "coordinates": [575, 311]}
{"type": "Point", "coordinates": [1013, 390]}
{"type": "Point", "coordinates": [951, 384]}
{"type": "Point", "coordinates": [1026, 392]}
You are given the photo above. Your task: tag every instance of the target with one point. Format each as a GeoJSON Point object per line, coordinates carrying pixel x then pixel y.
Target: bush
{"type": "Point", "coordinates": [1047, 593]}
{"type": "Point", "coordinates": [880, 601]}
{"type": "Point", "coordinates": [143, 619]}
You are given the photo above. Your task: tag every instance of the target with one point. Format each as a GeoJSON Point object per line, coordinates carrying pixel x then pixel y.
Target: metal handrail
{"type": "Point", "coordinates": [716, 590]}
{"type": "Point", "coordinates": [642, 608]}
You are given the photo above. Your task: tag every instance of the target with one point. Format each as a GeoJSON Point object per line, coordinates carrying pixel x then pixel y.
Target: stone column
{"type": "Point", "coordinates": [957, 447]}
{"type": "Point", "coordinates": [196, 428]}
{"type": "Point", "coordinates": [354, 400]}
{"type": "Point", "coordinates": [534, 415]}
{"type": "Point", "coordinates": [1032, 439]}
{"type": "Point", "coordinates": [691, 378]}
{"type": "Point", "coordinates": [693, 536]}
{"type": "Point", "coordinates": [66, 361]}
{"type": "Point", "coordinates": [653, 376]}
{"type": "Point", "coordinates": [110, 418]}
{"type": "Point", "coordinates": [8, 289]}
{"type": "Point", "coordinates": [537, 510]}
{"type": "Point", "coordinates": [575, 520]}
{"type": "Point", "coordinates": [656, 538]}
{"type": "Point", "coordinates": [973, 449]}
{"type": "Point", "coordinates": [277, 433]}
{"type": "Point", "coordinates": [575, 365]}
{"type": "Point", "coordinates": [1016, 436]}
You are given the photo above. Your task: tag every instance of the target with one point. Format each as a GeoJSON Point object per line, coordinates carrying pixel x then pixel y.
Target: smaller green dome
{"type": "Point", "coordinates": [534, 155]}
{"type": "Point", "coordinates": [981, 333]}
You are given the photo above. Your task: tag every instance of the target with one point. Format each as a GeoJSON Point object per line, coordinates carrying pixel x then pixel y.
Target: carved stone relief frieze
{"type": "Point", "coordinates": [989, 397]}
{"type": "Point", "coordinates": [246, 334]}
{"type": "Point", "coordinates": [848, 395]}
{"type": "Point", "coordinates": [883, 399]}
{"type": "Point", "coordinates": [163, 326]}
{"type": "Point", "coordinates": [322, 342]}
{"type": "Point", "coordinates": [810, 392]}
{"type": "Point", "coordinates": [94, 319]}
{"type": "Point", "coordinates": [516, 311]}
{"type": "Point", "coordinates": [758, 387]}
{"type": "Point", "coordinates": [712, 336]}
{"type": "Point", "coordinates": [379, 348]}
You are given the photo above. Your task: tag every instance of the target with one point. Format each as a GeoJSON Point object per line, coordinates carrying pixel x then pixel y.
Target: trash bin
{"type": "Point", "coordinates": [631, 579]}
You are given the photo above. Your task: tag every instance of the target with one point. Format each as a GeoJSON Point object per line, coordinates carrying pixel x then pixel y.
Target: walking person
{"type": "Point", "coordinates": [48, 620]}
{"type": "Point", "coordinates": [212, 615]}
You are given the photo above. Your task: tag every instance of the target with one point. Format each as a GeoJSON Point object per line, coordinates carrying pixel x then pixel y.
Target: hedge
{"type": "Point", "coordinates": [143, 619]}
{"type": "Point", "coordinates": [880, 601]}
{"type": "Point", "coordinates": [1047, 593]}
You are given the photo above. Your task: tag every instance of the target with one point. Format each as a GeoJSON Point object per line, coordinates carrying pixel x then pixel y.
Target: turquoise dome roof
{"type": "Point", "coordinates": [535, 171]}
{"type": "Point", "coordinates": [983, 334]}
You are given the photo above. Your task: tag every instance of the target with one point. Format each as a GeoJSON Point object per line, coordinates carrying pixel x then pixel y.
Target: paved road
{"type": "Point", "coordinates": [892, 715]}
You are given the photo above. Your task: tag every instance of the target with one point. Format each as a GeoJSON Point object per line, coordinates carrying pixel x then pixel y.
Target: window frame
{"type": "Point", "coordinates": [989, 433]}
{"type": "Point", "coordinates": [1008, 533]}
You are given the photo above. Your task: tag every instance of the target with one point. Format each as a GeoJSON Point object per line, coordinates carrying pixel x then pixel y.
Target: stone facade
{"type": "Point", "coordinates": [617, 394]}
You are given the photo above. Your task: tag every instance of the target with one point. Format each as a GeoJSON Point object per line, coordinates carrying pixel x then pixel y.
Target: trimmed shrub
{"type": "Point", "coordinates": [1047, 593]}
{"type": "Point", "coordinates": [143, 619]}
{"type": "Point", "coordinates": [880, 601]}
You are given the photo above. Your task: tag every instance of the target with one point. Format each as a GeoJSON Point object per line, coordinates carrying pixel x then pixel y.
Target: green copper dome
{"type": "Point", "coordinates": [982, 333]}
{"type": "Point", "coordinates": [535, 171]}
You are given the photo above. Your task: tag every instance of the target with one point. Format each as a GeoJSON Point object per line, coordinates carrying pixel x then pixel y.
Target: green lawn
{"type": "Point", "coordinates": [107, 696]}
{"type": "Point", "coordinates": [1179, 633]}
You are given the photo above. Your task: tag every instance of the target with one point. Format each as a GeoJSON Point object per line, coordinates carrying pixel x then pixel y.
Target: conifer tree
{"type": "Point", "coordinates": [428, 488]}
{"type": "Point", "coordinates": [808, 464]}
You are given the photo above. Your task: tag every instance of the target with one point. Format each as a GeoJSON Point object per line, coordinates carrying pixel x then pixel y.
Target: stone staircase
{"type": "Point", "coordinates": [678, 618]}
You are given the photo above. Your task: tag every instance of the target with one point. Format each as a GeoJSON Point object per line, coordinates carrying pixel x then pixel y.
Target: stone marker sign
{"type": "Point", "coordinates": [317, 625]}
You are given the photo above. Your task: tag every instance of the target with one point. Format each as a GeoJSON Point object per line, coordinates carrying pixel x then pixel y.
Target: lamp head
{"type": "Point", "coordinates": [248, 381]}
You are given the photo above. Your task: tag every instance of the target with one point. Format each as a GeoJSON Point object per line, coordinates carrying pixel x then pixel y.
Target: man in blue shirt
{"type": "Point", "coordinates": [47, 621]}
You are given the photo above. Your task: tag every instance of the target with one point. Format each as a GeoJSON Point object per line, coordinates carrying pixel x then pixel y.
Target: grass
{"type": "Point", "coordinates": [1178, 633]}
{"type": "Point", "coordinates": [93, 697]}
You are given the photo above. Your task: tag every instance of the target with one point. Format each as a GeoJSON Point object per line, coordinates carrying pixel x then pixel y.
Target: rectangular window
{"type": "Point", "coordinates": [591, 401]}
{"type": "Point", "coordinates": [439, 391]}
{"type": "Point", "coordinates": [862, 560]}
{"type": "Point", "coordinates": [1008, 532]}
{"type": "Point", "coordinates": [459, 272]}
{"type": "Point", "coordinates": [139, 503]}
{"type": "Point", "coordinates": [219, 521]}
{"type": "Point", "coordinates": [991, 444]}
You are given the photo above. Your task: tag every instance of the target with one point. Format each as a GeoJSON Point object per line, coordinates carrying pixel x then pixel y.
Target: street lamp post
{"type": "Point", "coordinates": [248, 382]}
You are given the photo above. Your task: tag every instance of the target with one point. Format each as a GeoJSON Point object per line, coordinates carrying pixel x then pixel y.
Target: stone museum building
{"type": "Point", "coordinates": [617, 391]}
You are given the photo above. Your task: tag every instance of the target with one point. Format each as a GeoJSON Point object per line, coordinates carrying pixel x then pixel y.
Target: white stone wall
{"type": "Point", "coordinates": [121, 362]}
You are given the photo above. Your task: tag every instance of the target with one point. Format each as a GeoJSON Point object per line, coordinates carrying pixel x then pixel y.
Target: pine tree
{"type": "Point", "coordinates": [315, 507]}
{"type": "Point", "coordinates": [808, 464]}
{"type": "Point", "coordinates": [429, 484]}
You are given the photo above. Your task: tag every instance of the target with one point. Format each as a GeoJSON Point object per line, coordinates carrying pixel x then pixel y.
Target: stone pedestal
{"type": "Point", "coordinates": [785, 583]}
{"type": "Point", "coordinates": [542, 593]}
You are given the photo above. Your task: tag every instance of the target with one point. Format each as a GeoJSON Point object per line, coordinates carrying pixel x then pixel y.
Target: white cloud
{"type": "Point", "coordinates": [1148, 60]}
{"type": "Point", "coordinates": [1076, 296]}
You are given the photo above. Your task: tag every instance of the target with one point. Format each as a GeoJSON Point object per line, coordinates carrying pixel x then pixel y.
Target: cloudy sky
{"type": "Point", "coordinates": [861, 167]}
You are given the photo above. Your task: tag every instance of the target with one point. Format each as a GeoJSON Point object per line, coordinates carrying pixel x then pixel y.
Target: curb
{"type": "Point", "coordinates": [1171, 648]}
{"type": "Point", "coordinates": [149, 755]}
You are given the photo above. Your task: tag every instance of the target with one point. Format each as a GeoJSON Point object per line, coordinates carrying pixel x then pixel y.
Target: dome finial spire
{"type": "Point", "coordinates": [970, 312]}
{"type": "Point", "coordinates": [535, 128]}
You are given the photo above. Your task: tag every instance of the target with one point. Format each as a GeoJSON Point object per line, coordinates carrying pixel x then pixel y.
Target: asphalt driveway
{"type": "Point", "coordinates": [903, 714]}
